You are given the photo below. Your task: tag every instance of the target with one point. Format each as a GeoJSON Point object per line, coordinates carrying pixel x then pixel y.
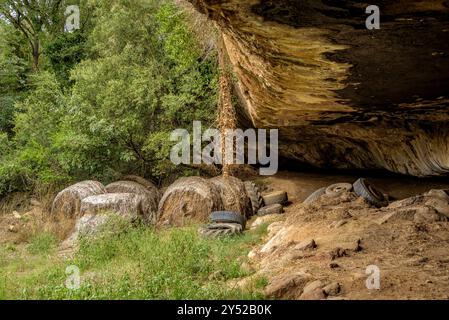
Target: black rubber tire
{"type": "Point", "coordinates": [228, 217]}
{"type": "Point", "coordinates": [338, 188]}
{"type": "Point", "coordinates": [315, 196]}
{"type": "Point", "coordinates": [365, 190]}
{"type": "Point", "coordinates": [279, 197]}
{"type": "Point", "coordinates": [273, 209]}
{"type": "Point", "coordinates": [253, 193]}
{"type": "Point", "coordinates": [221, 229]}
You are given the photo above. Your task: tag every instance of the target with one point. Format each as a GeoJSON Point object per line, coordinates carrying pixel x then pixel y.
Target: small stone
{"type": "Point", "coordinates": [438, 193]}
{"type": "Point", "coordinates": [317, 294]}
{"type": "Point", "coordinates": [246, 267]}
{"type": "Point", "coordinates": [334, 265]}
{"type": "Point", "coordinates": [427, 215]}
{"type": "Point", "coordinates": [338, 253]}
{"type": "Point", "coordinates": [332, 289]}
{"type": "Point", "coordinates": [271, 209]}
{"type": "Point", "coordinates": [306, 245]}
{"type": "Point", "coordinates": [16, 215]}
{"type": "Point", "coordinates": [440, 205]}
{"type": "Point", "coordinates": [338, 224]}
{"type": "Point", "coordinates": [12, 229]}
{"type": "Point", "coordinates": [35, 203]}
{"type": "Point", "coordinates": [429, 281]}
{"type": "Point", "coordinates": [311, 286]}
{"type": "Point", "coordinates": [358, 247]}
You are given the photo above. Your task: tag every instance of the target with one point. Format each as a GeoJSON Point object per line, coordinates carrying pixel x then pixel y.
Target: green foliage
{"type": "Point", "coordinates": [42, 243]}
{"type": "Point", "coordinates": [64, 52]}
{"type": "Point", "coordinates": [109, 98]}
{"type": "Point", "coordinates": [140, 263]}
{"type": "Point", "coordinates": [13, 74]}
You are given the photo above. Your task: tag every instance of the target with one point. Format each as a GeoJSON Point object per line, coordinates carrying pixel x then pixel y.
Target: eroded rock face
{"type": "Point", "coordinates": [341, 95]}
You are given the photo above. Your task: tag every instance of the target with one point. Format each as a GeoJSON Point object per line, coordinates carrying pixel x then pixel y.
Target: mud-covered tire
{"type": "Point", "coordinates": [273, 209]}
{"type": "Point", "coordinates": [216, 230]}
{"type": "Point", "coordinates": [365, 190]}
{"type": "Point", "coordinates": [279, 197]}
{"type": "Point", "coordinates": [338, 188]}
{"type": "Point", "coordinates": [228, 217]}
{"type": "Point", "coordinates": [253, 193]}
{"type": "Point", "coordinates": [315, 196]}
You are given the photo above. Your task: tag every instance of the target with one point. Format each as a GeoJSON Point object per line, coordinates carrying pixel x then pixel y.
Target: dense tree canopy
{"type": "Point", "coordinates": [105, 98]}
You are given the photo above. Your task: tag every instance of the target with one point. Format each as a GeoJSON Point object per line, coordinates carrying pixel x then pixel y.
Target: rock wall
{"type": "Point", "coordinates": [344, 96]}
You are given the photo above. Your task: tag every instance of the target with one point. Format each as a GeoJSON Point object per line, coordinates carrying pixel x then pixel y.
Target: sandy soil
{"type": "Point", "coordinates": [412, 254]}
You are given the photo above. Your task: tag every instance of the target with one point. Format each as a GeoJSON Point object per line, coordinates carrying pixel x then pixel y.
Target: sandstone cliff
{"type": "Point", "coordinates": [344, 96]}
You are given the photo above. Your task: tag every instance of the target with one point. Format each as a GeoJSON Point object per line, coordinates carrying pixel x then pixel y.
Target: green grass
{"type": "Point", "coordinates": [132, 263]}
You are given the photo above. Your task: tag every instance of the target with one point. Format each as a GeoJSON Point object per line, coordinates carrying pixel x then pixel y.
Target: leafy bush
{"type": "Point", "coordinates": [136, 76]}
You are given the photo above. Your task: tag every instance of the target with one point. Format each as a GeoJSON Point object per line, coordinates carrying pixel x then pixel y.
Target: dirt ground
{"type": "Point", "coordinates": [348, 234]}
{"type": "Point", "coordinates": [412, 255]}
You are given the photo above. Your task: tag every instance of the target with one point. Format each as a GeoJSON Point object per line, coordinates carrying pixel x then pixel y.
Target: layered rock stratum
{"type": "Point", "coordinates": [341, 95]}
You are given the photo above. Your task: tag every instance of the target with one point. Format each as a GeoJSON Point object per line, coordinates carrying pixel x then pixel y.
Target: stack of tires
{"type": "Point", "coordinates": [224, 223]}
{"type": "Point", "coordinates": [361, 188]}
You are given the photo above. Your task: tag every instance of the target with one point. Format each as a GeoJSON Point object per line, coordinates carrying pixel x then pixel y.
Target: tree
{"type": "Point", "coordinates": [32, 18]}
{"type": "Point", "coordinates": [13, 74]}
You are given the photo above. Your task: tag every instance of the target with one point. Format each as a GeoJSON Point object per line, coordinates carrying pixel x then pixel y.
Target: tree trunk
{"type": "Point", "coordinates": [36, 54]}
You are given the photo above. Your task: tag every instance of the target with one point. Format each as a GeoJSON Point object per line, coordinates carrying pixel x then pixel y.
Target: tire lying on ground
{"type": "Point", "coordinates": [233, 195]}
{"type": "Point", "coordinates": [68, 201]}
{"type": "Point", "coordinates": [254, 195]}
{"type": "Point", "coordinates": [126, 205]}
{"type": "Point", "coordinates": [373, 196]}
{"type": "Point", "coordinates": [187, 200]}
{"type": "Point", "coordinates": [221, 229]}
{"type": "Point", "coordinates": [228, 217]}
{"type": "Point", "coordinates": [338, 188]}
{"type": "Point", "coordinates": [279, 197]}
{"type": "Point", "coordinates": [315, 195]}
{"type": "Point", "coordinates": [273, 209]}
{"type": "Point", "coordinates": [150, 198]}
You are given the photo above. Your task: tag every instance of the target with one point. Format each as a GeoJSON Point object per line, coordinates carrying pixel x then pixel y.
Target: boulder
{"type": "Point", "coordinates": [286, 286]}
{"type": "Point", "coordinates": [150, 197]}
{"type": "Point", "coordinates": [187, 200]}
{"type": "Point", "coordinates": [68, 201]}
{"type": "Point", "coordinates": [233, 195]}
{"type": "Point", "coordinates": [128, 205]}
